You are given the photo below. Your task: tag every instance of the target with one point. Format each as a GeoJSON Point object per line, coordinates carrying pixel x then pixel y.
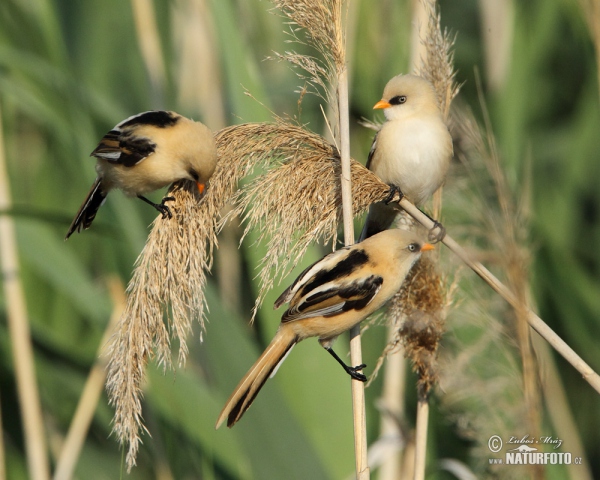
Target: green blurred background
{"type": "Point", "coordinates": [69, 71]}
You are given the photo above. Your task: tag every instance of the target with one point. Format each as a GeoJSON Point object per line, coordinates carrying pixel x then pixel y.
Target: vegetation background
{"type": "Point", "coordinates": [69, 71]}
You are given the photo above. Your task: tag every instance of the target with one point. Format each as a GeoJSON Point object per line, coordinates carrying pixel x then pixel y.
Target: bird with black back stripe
{"type": "Point", "coordinates": [412, 150]}
{"type": "Point", "coordinates": [328, 298]}
{"type": "Point", "coordinates": [147, 152]}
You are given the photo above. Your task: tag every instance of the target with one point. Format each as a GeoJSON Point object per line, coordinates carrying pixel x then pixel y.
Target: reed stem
{"type": "Point", "coordinates": [20, 334]}
{"type": "Point", "coordinates": [358, 388]}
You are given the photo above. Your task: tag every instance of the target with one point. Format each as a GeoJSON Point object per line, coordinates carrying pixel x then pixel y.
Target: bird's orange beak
{"type": "Point", "coordinates": [381, 104]}
{"type": "Point", "coordinates": [426, 247]}
{"type": "Point", "coordinates": [201, 187]}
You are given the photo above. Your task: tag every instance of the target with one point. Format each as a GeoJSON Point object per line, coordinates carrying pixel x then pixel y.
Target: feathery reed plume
{"type": "Point", "coordinates": [168, 283]}
{"type": "Point", "coordinates": [438, 64]}
{"type": "Point", "coordinates": [417, 316]}
{"type": "Point", "coordinates": [298, 199]}
{"type": "Point", "coordinates": [321, 21]}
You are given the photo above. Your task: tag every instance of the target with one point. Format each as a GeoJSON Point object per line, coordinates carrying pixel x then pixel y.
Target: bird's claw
{"type": "Point", "coordinates": [394, 189]}
{"type": "Point", "coordinates": [164, 209]}
{"type": "Point", "coordinates": [354, 372]}
{"type": "Point", "coordinates": [437, 233]}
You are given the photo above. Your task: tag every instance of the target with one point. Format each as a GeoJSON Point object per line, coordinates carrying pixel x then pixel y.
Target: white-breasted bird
{"type": "Point", "coordinates": [412, 150]}
{"type": "Point", "coordinates": [146, 152]}
{"type": "Point", "coordinates": [328, 298]}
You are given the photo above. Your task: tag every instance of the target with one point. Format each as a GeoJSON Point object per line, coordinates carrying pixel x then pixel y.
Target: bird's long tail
{"type": "Point", "coordinates": [264, 368]}
{"type": "Point", "coordinates": [87, 212]}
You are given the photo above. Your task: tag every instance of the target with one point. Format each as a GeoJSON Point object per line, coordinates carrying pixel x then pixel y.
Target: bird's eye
{"type": "Point", "coordinates": [413, 247]}
{"type": "Point", "coordinates": [194, 175]}
{"type": "Point", "coordinates": [398, 100]}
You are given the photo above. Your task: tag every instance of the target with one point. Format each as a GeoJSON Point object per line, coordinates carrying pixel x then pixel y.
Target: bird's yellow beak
{"type": "Point", "coordinates": [381, 104]}
{"type": "Point", "coordinates": [426, 247]}
{"type": "Point", "coordinates": [201, 187]}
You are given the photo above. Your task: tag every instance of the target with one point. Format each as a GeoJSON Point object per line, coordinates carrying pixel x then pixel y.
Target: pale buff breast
{"type": "Point", "coordinates": [420, 150]}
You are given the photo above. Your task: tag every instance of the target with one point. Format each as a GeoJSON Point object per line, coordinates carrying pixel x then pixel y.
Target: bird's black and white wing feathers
{"type": "Point", "coordinates": [125, 145]}
{"type": "Point", "coordinates": [372, 152]}
{"type": "Point", "coordinates": [337, 283]}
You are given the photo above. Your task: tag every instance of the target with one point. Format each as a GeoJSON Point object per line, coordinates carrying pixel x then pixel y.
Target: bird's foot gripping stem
{"type": "Point", "coordinates": [354, 372]}
{"type": "Point", "coordinates": [437, 232]}
{"type": "Point", "coordinates": [161, 207]}
{"type": "Point", "coordinates": [394, 189]}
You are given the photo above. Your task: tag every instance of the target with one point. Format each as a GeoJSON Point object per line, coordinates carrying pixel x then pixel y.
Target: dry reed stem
{"type": "Point", "coordinates": [92, 391]}
{"type": "Point", "coordinates": [497, 29]}
{"type": "Point", "coordinates": [421, 438]}
{"type": "Point", "coordinates": [20, 335]}
{"type": "Point", "coordinates": [167, 287]}
{"type": "Point", "coordinates": [149, 42]}
{"type": "Point", "coordinates": [322, 22]}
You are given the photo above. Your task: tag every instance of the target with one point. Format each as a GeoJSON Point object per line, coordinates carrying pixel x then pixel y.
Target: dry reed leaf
{"type": "Point", "coordinates": [298, 200]}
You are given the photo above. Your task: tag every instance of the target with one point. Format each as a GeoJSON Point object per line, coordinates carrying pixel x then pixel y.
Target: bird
{"type": "Point", "coordinates": [146, 152]}
{"type": "Point", "coordinates": [329, 297]}
{"type": "Point", "coordinates": [412, 150]}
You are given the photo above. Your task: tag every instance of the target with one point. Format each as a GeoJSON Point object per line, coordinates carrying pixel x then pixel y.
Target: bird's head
{"type": "Point", "coordinates": [407, 95]}
{"type": "Point", "coordinates": [200, 157]}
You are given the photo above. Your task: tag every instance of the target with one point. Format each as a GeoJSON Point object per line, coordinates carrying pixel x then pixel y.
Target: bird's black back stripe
{"type": "Point", "coordinates": [317, 298]}
{"type": "Point", "coordinates": [156, 118]}
{"type": "Point", "coordinates": [364, 293]}
{"type": "Point", "coordinates": [354, 260]}
{"type": "Point", "coordinates": [135, 149]}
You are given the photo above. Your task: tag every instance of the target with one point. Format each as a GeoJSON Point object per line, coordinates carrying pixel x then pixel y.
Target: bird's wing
{"type": "Point", "coordinates": [307, 275]}
{"type": "Point", "coordinates": [124, 147]}
{"type": "Point", "coordinates": [338, 282]}
{"type": "Point", "coordinates": [372, 152]}
{"type": "Point", "coordinates": [334, 298]}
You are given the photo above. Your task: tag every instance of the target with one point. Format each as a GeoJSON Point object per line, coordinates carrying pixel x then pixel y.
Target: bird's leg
{"type": "Point", "coordinates": [437, 232]}
{"type": "Point", "coordinates": [352, 371]}
{"type": "Point", "coordinates": [161, 207]}
{"type": "Point", "coordinates": [394, 189]}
